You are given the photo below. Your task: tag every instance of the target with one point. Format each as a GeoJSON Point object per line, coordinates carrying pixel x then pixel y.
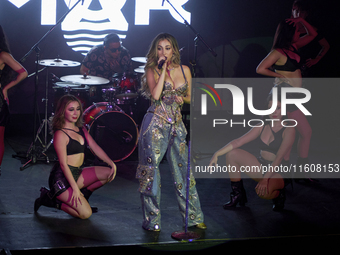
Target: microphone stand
{"type": "Point", "coordinates": [189, 235]}
{"type": "Point", "coordinates": [186, 235]}
{"type": "Point", "coordinates": [32, 153]}
{"type": "Point", "coordinates": [196, 40]}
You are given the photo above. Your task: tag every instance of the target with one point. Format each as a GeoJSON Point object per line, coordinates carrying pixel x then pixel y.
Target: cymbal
{"type": "Point", "coordinates": [58, 62]}
{"type": "Point", "coordinates": [139, 59]}
{"type": "Point", "coordinates": [83, 79]}
{"type": "Point", "coordinates": [139, 70]}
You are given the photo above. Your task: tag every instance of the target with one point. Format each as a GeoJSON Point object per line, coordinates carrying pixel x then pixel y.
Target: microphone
{"type": "Point", "coordinates": [163, 2]}
{"type": "Point", "coordinates": [161, 63]}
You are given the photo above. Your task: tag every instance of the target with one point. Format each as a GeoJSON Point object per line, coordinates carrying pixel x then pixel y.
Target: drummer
{"type": "Point", "coordinates": [109, 60]}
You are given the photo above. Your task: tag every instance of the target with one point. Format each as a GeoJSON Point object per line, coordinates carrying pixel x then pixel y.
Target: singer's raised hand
{"type": "Point", "coordinates": [161, 62]}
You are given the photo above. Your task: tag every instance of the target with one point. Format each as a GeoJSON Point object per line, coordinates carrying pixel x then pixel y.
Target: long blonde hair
{"type": "Point", "coordinates": [152, 58]}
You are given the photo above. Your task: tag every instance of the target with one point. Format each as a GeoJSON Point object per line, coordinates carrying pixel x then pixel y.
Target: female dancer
{"type": "Point", "coordinates": [7, 62]}
{"type": "Point", "coordinates": [318, 47]}
{"type": "Point", "coordinates": [275, 141]}
{"type": "Point", "coordinates": [286, 63]}
{"type": "Point", "coordinates": [70, 183]}
{"type": "Point", "coordinates": [167, 83]}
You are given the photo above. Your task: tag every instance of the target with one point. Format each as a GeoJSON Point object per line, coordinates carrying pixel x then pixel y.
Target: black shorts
{"type": "Point", "coordinates": [57, 180]}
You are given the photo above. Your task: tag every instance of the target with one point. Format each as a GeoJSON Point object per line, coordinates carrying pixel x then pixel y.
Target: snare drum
{"type": "Point", "coordinates": [113, 130]}
{"type": "Point", "coordinates": [128, 88]}
{"type": "Point", "coordinates": [109, 92]}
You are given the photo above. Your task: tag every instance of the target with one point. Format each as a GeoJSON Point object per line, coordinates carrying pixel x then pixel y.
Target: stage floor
{"type": "Point", "coordinates": [310, 219]}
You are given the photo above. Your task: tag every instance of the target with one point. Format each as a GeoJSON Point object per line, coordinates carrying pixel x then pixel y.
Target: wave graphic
{"type": "Point", "coordinates": [84, 28]}
{"type": "Point", "coordinates": [82, 41]}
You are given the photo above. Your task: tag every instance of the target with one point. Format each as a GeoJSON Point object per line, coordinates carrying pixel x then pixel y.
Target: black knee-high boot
{"type": "Point", "coordinates": [238, 195]}
{"type": "Point", "coordinates": [87, 193]}
{"type": "Point", "coordinates": [45, 200]}
{"type": "Point", "coordinates": [279, 201]}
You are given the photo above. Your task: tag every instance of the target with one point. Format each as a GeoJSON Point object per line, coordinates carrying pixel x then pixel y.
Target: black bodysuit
{"type": "Point", "coordinates": [73, 146]}
{"type": "Point", "coordinates": [57, 180]}
{"type": "Point", "coordinates": [274, 145]}
{"type": "Point", "coordinates": [291, 65]}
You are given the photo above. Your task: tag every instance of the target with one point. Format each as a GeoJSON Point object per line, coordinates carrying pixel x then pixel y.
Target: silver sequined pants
{"type": "Point", "coordinates": [158, 137]}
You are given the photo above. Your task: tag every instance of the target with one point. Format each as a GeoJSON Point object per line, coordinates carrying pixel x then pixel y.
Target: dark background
{"type": "Point", "coordinates": [240, 32]}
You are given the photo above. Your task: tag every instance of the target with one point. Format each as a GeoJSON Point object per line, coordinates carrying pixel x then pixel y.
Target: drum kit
{"type": "Point", "coordinates": [103, 101]}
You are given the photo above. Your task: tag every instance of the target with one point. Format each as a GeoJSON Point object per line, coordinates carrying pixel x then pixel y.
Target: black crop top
{"type": "Point", "coordinates": [73, 146]}
{"type": "Point", "coordinates": [274, 145]}
{"type": "Point", "coordinates": [291, 65]}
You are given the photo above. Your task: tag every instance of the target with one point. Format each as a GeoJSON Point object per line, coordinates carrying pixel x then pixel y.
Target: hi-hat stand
{"type": "Point", "coordinates": [34, 154]}
{"type": "Point", "coordinates": [44, 126]}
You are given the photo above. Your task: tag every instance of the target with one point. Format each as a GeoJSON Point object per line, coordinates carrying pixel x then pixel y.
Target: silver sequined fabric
{"type": "Point", "coordinates": [163, 132]}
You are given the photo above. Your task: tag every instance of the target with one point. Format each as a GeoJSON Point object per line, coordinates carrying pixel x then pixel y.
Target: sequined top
{"type": "Point", "coordinates": [166, 107]}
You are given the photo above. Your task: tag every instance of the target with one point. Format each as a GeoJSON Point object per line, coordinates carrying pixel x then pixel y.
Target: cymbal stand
{"type": "Point", "coordinates": [32, 154]}
{"type": "Point", "coordinates": [43, 127]}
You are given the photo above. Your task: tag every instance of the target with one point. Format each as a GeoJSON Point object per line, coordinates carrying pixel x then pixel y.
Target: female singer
{"type": "Point", "coordinates": [167, 84]}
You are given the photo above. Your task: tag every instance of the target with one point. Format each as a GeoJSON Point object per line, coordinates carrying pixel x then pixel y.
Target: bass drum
{"type": "Point", "coordinates": [113, 130]}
